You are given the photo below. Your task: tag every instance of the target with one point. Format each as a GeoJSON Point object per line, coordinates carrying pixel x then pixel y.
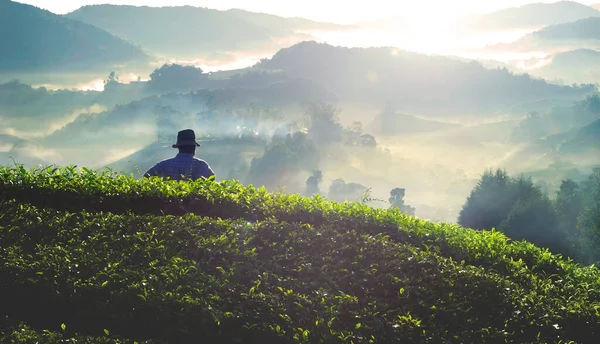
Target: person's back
{"type": "Point", "coordinates": [184, 165]}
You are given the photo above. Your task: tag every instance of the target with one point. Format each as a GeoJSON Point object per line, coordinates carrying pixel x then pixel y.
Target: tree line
{"type": "Point", "coordinates": [568, 224]}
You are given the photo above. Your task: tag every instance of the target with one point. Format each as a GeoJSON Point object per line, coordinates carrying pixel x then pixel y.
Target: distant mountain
{"type": "Point", "coordinates": [576, 147]}
{"type": "Point", "coordinates": [14, 149]}
{"type": "Point", "coordinates": [560, 120]}
{"type": "Point", "coordinates": [583, 29]}
{"type": "Point", "coordinates": [187, 31]}
{"type": "Point", "coordinates": [575, 66]}
{"type": "Point", "coordinates": [415, 83]}
{"type": "Point", "coordinates": [581, 141]}
{"type": "Point", "coordinates": [580, 34]}
{"type": "Point", "coordinates": [579, 56]}
{"type": "Point", "coordinates": [37, 109]}
{"type": "Point", "coordinates": [535, 15]}
{"type": "Point", "coordinates": [281, 24]}
{"type": "Point", "coordinates": [7, 142]}
{"type": "Point", "coordinates": [34, 40]}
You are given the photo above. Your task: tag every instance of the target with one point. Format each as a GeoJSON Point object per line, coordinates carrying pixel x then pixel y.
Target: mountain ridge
{"type": "Point", "coordinates": [37, 39]}
{"type": "Point", "coordinates": [189, 31]}
{"type": "Point", "coordinates": [536, 15]}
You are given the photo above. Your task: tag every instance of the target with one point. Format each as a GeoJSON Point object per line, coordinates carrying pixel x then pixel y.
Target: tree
{"type": "Point", "coordinates": [588, 222]}
{"type": "Point", "coordinates": [489, 202]}
{"type": "Point", "coordinates": [111, 81]}
{"type": "Point", "coordinates": [367, 141]}
{"type": "Point", "coordinates": [283, 159]}
{"type": "Point", "coordinates": [340, 191]}
{"type": "Point", "coordinates": [174, 77]}
{"type": "Point", "coordinates": [353, 133]}
{"type": "Point", "coordinates": [516, 207]}
{"type": "Point", "coordinates": [324, 124]}
{"type": "Point", "coordinates": [568, 206]}
{"type": "Point", "coordinates": [313, 182]}
{"type": "Point", "coordinates": [592, 104]}
{"type": "Point", "coordinates": [397, 201]}
{"type": "Point", "coordinates": [534, 219]}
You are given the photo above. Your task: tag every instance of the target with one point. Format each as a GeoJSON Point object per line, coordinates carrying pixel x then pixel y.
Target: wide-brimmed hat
{"type": "Point", "coordinates": [186, 137]}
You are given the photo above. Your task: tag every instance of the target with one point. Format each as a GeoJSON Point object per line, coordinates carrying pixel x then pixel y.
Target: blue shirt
{"type": "Point", "coordinates": [182, 166]}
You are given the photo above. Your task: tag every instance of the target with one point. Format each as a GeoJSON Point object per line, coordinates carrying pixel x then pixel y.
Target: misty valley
{"type": "Point", "coordinates": [317, 132]}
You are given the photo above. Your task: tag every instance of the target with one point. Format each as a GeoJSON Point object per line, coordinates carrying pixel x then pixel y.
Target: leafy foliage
{"type": "Point", "coordinates": [588, 221]}
{"type": "Point", "coordinates": [177, 77]}
{"type": "Point", "coordinates": [282, 158]}
{"type": "Point", "coordinates": [568, 225]}
{"type": "Point", "coordinates": [95, 253]}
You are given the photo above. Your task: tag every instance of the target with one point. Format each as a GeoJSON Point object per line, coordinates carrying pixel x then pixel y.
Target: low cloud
{"type": "Point", "coordinates": [54, 126]}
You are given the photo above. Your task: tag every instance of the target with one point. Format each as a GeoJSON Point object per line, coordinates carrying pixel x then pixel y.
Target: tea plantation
{"type": "Point", "coordinates": [92, 257]}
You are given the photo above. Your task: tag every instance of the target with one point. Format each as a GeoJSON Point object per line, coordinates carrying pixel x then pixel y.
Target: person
{"type": "Point", "coordinates": [184, 165]}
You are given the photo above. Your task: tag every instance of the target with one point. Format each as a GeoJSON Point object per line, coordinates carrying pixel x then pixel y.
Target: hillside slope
{"type": "Point", "coordinates": [583, 140]}
{"type": "Point", "coordinates": [588, 28]}
{"type": "Point", "coordinates": [580, 34]}
{"type": "Point", "coordinates": [187, 30]}
{"type": "Point", "coordinates": [579, 66]}
{"type": "Point", "coordinates": [34, 39]}
{"type": "Point", "coordinates": [412, 82]}
{"type": "Point", "coordinates": [96, 256]}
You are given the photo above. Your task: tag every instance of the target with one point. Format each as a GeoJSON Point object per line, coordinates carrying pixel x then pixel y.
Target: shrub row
{"type": "Point", "coordinates": [24, 334]}
{"type": "Point", "coordinates": [73, 189]}
{"type": "Point", "coordinates": [184, 279]}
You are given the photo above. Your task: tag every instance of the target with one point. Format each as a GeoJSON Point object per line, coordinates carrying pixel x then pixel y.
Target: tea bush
{"type": "Point", "coordinates": [99, 254]}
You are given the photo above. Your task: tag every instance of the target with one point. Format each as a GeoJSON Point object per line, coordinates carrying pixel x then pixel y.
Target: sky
{"type": "Point", "coordinates": [338, 11]}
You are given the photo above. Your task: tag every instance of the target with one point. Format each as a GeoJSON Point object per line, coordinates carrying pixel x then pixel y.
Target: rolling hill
{"type": "Point", "coordinates": [580, 34]}
{"type": "Point", "coordinates": [559, 120]}
{"type": "Point", "coordinates": [535, 15]}
{"type": "Point", "coordinates": [584, 29]}
{"type": "Point", "coordinates": [187, 31]}
{"type": "Point", "coordinates": [577, 147]}
{"type": "Point", "coordinates": [582, 141]}
{"type": "Point", "coordinates": [107, 258]}
{"type": "Point", "coordinates": [414, 83]}
{"type": "Point", "coordinates": [579, 66]}
{"type": "Point", "coordinates": [15, 149]}
{"type": "Point", "coordinates": [37, 40]}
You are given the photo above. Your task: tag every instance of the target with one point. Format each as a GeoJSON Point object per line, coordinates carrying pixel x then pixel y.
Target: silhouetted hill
{"type": "Point", "coordinates": [577, 147]}
{"type": "Point", "coordinates": [16, 149]}
{"type": "Point", "coordinates": [34, 39]}
{"type": "Point", "coordinates": [583, 29]}
{"type": "Point", "coordinates": [579, 57]}
{"type": "Point", "coordinates": [187, 30]}
{"type": "Point", "coordinates": [281, 24]}
{"type": "Point", "coordinates": [8, 141]}
{"type": "Point", "coordinates": [559, 120]}
{"type": "Point", "coordinates": [568, 134]}
{"type": "Point", "coordinates": [583, 33]}
{"type": "Point", "coordinates": [29, 109]}
{"type": "Point", "coordinates": [536, 15]}
{"type": "Point", "coordinates": [584, 140]}
{"type": "Point", "coordinates": [575, 66]}
{"type": "Point", "coordinates": [414, 82]}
